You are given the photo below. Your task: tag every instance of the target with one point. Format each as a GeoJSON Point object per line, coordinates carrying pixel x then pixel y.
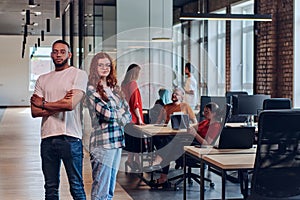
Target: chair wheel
{"type": "Point", "coordinates": [212, 185]}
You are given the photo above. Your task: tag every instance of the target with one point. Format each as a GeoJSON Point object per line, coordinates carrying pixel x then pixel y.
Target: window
{"type": "Point", "coordinates": [40, 63]}
{"type": "Point", "coordinates": [242, 40]}
{"type": "Point", "coordinates": [216, 57]}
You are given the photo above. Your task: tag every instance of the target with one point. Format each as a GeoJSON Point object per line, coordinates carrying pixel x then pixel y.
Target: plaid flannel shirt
{"type": "Point", "coordinates": [108, 120]}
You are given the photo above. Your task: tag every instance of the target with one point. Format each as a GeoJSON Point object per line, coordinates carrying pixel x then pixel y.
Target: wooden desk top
{"type": "Point", "coordinates": [209, 150]}
{"type": "Point", "coordinates": [159, 129]}
{"type": "Point", "coordinates": [231, 161]}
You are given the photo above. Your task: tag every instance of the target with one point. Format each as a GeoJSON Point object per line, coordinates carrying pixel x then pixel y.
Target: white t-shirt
{"type": "Point", "coordinates": [53, 86]}
{"type": "Point", "coordinates": [191, 99]}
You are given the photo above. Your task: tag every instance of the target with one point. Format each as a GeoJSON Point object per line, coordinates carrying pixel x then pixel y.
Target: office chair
{"type": "Point", "coordinates": [138, 143]}
{"type": "Point", "coordinates": [276, 173]}
{"type": "Point", "coordinates": [277, 103]}
{"type": "Point", "coordinates": [233, 116]}
{"type": "Point", "coordinates": [193, 163]}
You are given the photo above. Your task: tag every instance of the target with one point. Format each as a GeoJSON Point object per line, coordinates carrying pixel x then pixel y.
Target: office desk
{"type": "Point", "coordinates": [149, 131]}
{"type": "Point", "coordinates": [158, 129]}
{"type": "Point", "coordinates": [224, 160]}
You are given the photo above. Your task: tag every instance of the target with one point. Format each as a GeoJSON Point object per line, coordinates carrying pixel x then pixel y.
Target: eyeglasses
{"type": "Point", "coordinates": [176, 94]}
{"type": "Point", "coordinates": [102, 65]}
{"type": "Point", "coordinates": [62, 52]}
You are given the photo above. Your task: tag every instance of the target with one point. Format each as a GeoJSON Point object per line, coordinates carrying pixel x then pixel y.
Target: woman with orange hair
{"type": "Point", "coordinates": [109, 114]}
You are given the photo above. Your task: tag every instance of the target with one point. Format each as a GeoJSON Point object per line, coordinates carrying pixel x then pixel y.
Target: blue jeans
{"type": "Point", "coordinates": [105, 166]}
{"type": "Point", "coordinates": [69, 150]}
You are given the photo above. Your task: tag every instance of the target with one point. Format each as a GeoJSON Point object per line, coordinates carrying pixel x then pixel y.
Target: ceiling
{"type": "Point", "coordinates": [12, 21]}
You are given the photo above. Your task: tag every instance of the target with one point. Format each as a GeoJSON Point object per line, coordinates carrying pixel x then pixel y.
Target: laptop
{"type": "Point", "coordinates": [179, 121]}
{"type": "Point", "coordinates": [236, 138]}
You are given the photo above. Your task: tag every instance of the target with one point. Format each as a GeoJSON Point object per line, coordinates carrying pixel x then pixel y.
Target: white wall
{"type": "Point", "coordinates": [14, 70]}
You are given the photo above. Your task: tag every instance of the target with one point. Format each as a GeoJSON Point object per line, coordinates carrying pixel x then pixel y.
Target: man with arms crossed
{"type": "Point", "coordinates": [56, 99]}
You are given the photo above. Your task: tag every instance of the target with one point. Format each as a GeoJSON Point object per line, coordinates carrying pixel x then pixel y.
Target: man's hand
{"type": "Point", "coordinates": [37, 100]}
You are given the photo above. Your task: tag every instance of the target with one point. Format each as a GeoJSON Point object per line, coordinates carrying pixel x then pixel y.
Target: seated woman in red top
{"type": "Point", "coordinates": [207, 131]}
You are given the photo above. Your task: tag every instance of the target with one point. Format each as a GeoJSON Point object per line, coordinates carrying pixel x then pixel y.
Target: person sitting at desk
{"type": "Point", "coordinates": [177, 105]}
{"type": "Point", "coordinates": [164, 99]}
{"type": "Point", "coordinates": [205, 132]}
{"type": "Point", "coordinates": [161, 141]}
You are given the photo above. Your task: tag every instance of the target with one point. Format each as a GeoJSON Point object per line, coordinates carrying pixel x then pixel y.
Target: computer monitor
{"type": "Point", "coordinates": [250, 105]}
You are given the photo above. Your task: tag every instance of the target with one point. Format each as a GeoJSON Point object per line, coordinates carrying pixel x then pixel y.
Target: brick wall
{"type": "Point", "coordinates": [274, 67]}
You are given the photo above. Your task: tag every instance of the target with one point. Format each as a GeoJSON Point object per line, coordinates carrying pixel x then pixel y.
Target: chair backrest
{"type": "Point", "coordinates": [233, 117]}
{"type": "Point", "coordinates": [277, 163]}
{"type": "Point", "coordinates": [277, 103]}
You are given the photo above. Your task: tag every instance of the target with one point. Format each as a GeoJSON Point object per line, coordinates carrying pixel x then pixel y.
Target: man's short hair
{"type": "Point", "coordinates": [61, 42]}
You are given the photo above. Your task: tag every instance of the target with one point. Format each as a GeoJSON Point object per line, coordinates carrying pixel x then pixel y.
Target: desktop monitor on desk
{"type": "Point", "coordinates": [249, 105]}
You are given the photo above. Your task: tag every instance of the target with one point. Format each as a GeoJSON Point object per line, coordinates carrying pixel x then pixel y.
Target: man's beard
{"type": "Point", "coordinates": [175, 100]}
{"type": "Point", "coordinates": [61, 64]}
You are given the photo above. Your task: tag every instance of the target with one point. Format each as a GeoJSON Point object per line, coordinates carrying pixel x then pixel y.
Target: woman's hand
{"type": "Point", "coordinates": [140, 122]}
{"type": "Point", "coordinates": [192, 131]}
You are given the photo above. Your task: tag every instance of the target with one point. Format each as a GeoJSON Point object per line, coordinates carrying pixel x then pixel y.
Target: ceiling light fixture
{"type": "Point", "coordinates": [48, 25]}
{"type": "Point", "coordinates": [230, 17]}
{"type": "Point", "coordinates": [27, 17]}
{"type": "Point", "coordinates": [36, 13]}
{"type": "Point", "coordinates": [57, 9]}
{"type": "Point", "coordinates": [42, 35]}
{"type": "Point", "coordinates": [31, 4]}
{"type": "Point", "coordinates": [162, 38]}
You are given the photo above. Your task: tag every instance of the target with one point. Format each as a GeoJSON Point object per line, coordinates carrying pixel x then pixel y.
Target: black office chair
{"type": "Point", "coordinates": [276, 172]}
{"type": "Point", "coordinates": [136, 142]}
{"type": "Point", "coordinates": [230, 98]}
{"type": "Point", "coordinates": [193, 163]}
{"type": "Point", "coordinates": [277, 103]}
